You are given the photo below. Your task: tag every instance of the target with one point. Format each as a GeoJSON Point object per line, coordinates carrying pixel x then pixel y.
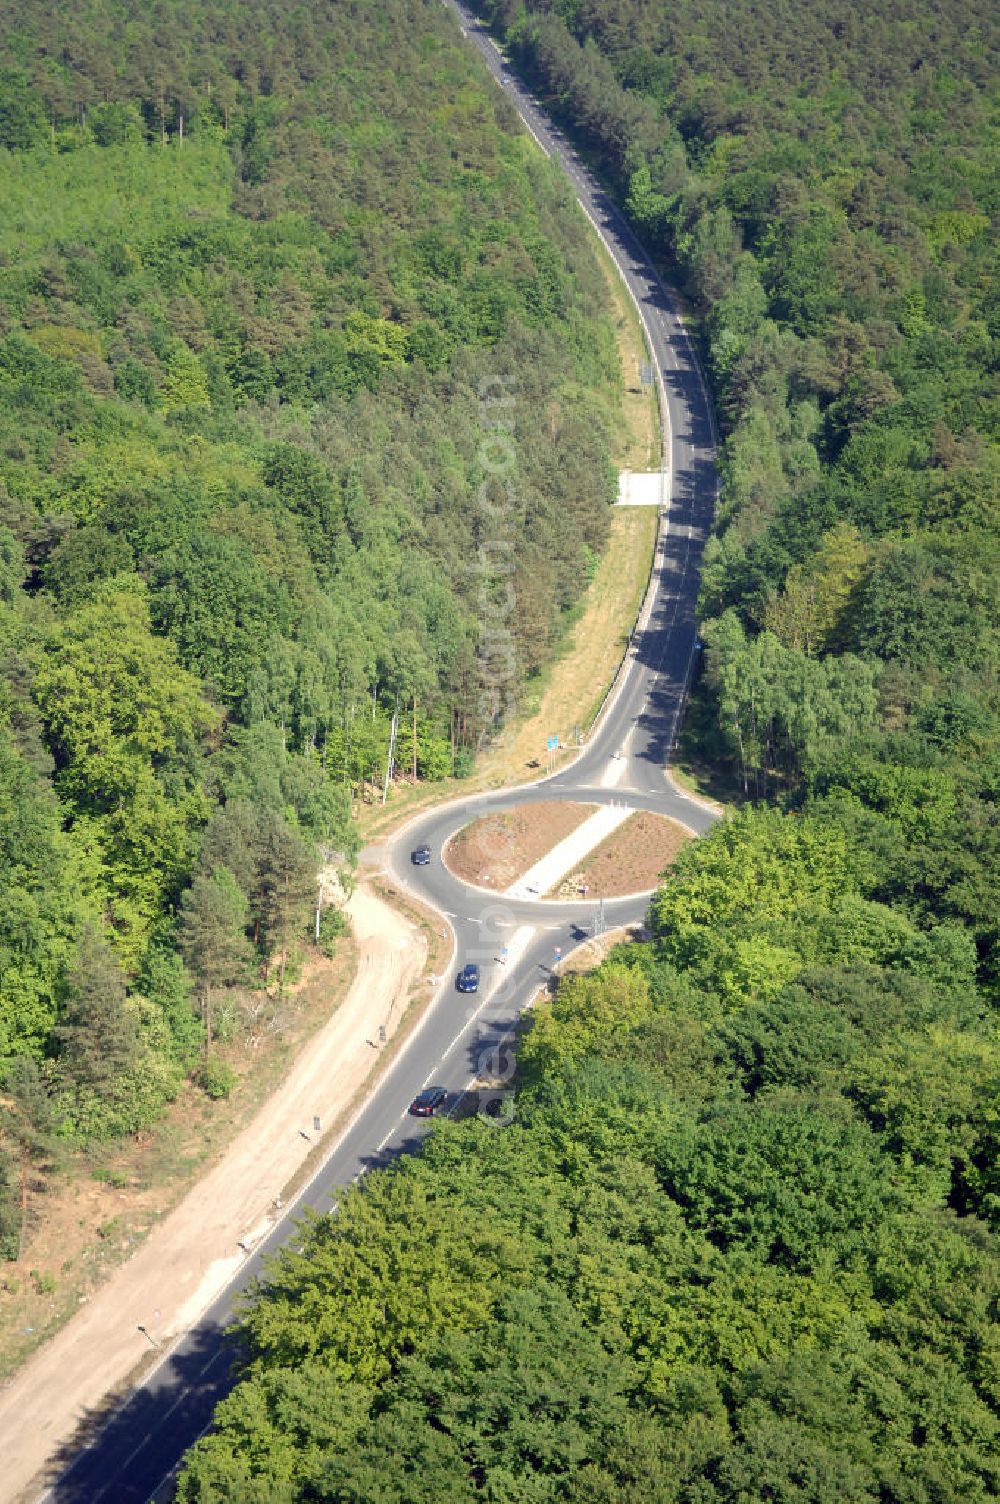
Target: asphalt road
{"type": "Point", "coordinates": [464, 1039]}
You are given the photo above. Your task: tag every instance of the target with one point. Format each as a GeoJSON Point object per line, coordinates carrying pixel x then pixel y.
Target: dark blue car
{"type": "Point", "coordinates": [421, 856]}
{"type": "Point", "coordinates": [468, 978]}
{"type": "Point", "coordinates": [428, 1102]}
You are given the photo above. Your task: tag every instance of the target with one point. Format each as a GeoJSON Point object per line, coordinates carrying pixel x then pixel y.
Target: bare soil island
{"type": "Point", "coordinates": [631, 859]}
{"type": "Point", "coordinates": [495, 851]}
{"type": "Point", "coordinates": [498, 850]}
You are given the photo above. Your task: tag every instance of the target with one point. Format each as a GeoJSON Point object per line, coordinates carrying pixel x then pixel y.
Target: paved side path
{"type": "Point", "coordinates": [553, 867]}
{"type": "Point", "coordinates": [190, 1257]}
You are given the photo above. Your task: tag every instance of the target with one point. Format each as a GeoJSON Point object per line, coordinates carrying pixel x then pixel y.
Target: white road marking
{"type": "Point", "coordinates": [613, 773]}
{"type": "Point", "coordinates": [515, 950]}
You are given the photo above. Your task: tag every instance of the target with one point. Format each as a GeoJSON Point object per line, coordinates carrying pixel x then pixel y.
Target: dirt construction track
{"type": "Point", "coordinates": [192, 1255]}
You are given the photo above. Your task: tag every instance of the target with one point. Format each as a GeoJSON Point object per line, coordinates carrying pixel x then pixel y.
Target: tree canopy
{"type": "Point", "coordinates": [271, 284]}
{"type": "Point", "coordinates": [731, 1245]}
{"type": "Point", "coordinates": [739, 1241]}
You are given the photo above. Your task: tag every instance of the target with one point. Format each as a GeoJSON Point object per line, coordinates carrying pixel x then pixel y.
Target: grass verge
{"type": "Point", "coordinates": [636, 445]}
{"type": "Point", "coordinates": [565, 697]}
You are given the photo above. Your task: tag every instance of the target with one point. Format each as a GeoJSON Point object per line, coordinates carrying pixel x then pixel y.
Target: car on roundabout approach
{"type": "Point", "coordinates": [468, 978]}
{"type": "Point", "coordinates": [421, 856]}
{"type": "Point", "coordinates": [428, 1102]}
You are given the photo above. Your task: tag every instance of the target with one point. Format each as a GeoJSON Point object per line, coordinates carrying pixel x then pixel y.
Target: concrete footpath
{"type": "Point", "coordinates": [571, 850]}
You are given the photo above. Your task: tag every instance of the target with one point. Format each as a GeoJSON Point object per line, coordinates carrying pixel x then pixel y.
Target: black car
{"type": "Point", "coordinates": [468, 978]}
{"type": "Point", "coordinates": [428, 1102]}
{"type": "Point", "coordinates": [421, 856]}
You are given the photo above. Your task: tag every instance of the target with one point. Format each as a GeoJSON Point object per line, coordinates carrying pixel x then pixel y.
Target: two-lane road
{"type": "Point", "coordinates": [461, 1038]}
{"type": "Point", "coordinates": [645, 722]}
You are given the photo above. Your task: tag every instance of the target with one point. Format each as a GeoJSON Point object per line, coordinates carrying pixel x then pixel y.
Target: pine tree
{"type": "Point", "coordinates": [287, 885]}
{"type": "Point", "coordinates": [26, 1125]}
{"type": "Point", "coordinates": [212, 935]}
{"type": "Point", "coordinates": [98, 1039]}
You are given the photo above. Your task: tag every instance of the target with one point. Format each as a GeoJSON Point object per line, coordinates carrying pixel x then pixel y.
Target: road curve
{"type": "Point", "coordinates": [461, 1039]}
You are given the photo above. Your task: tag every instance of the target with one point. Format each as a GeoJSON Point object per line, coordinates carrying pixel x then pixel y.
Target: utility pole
{"type": "Point", "coordinates": [392, 747]}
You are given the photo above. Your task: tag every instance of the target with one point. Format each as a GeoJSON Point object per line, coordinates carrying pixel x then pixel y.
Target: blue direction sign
{"type": "Point", "coordinates": [552, 743]}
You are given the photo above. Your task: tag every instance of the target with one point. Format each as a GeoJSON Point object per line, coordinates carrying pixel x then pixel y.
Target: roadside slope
{"type": "Point", "coordinates": [188, 1259]}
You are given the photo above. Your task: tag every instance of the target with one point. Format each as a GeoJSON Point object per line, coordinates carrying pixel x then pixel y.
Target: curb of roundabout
{"type": "Point", "coordinates": [556, 903]}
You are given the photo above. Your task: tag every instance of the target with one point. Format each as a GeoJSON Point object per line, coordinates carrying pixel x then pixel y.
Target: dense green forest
{"type": "Point", "coordinates": [261, 274]}
{"type": "Point", "coordinates": [738, 1243]}
{"type": "Point", "coordinates": [824, 184]}
{"type": "Point", "coordinates": [827, 194]}
{"type": "Point", "coordinates": [740, 1240]}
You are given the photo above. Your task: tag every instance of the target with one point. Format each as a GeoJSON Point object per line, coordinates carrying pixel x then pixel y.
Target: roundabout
{"type": "Point", "coordinates": [621, 767]}
{"type": "Point", "coordinates": [624, 761]}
